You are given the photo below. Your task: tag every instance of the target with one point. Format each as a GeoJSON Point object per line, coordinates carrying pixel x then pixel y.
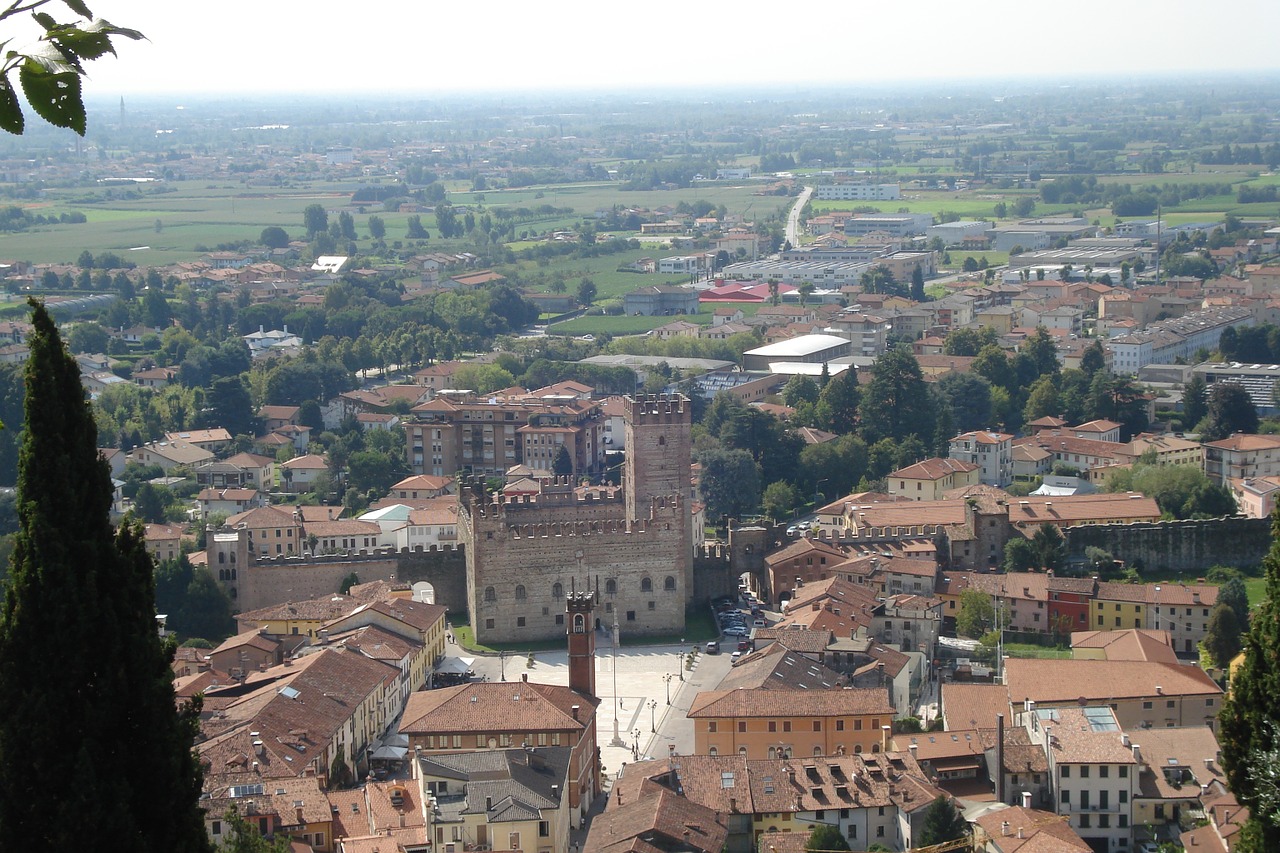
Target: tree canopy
{"type": "Point", "coordinates": [108, 707]}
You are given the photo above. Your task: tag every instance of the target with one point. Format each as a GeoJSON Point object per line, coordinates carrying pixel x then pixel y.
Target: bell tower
{"type": "Point", "coordinates": [581, 628]}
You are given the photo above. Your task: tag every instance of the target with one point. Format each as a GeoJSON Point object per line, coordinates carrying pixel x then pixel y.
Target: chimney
{"type": "Point", "coordinates": [301, 821]}
{"type": "Point", "coordinates": [1004, 827]}
{"type": "Point", "coordinates": [1159, 690]}
{"type": "Point", "coordinates": [999, 758]}
{"type": "Point", "coordinates": [733, 804]}
{"type": "Point", "coordinates": [576, 709]}
{"type": "Point", "coordinates": [913, 749]}
{"type": "Point", "coordinates": [884, 738]}
{"type": "Point", "coordinates": [1208, 763]}
{"type": "Point", "coordinates": [1019, 832]}
{"type": "Point", "coordinates": [1137, 753]}
{"type": "Point", "coordinates": [555, 793]}
{"type": "Point", "coordinates": [525, 677]}
{"type": "Point", "coordinates": [488, 804]}
{"type": "Point", "coordinates": [1026, 799]}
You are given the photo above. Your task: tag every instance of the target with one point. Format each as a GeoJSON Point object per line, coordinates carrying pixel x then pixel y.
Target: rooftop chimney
{"type": "Point", "coordinates": [488, 804]}
{"type": "Point", "coordinates": [1026, 799]}
{"type": "Point", "coordinates": [576, 709]}
{"type": "Point", "coordinates": [1137, 753]}
{"type": "Point", "coordinates": [1004, 827]}
{"type": "Point", "coordinates": [524, 677]}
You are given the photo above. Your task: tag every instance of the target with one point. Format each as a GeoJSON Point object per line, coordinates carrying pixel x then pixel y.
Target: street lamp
{"type": "Point", "coordinates": [667, 680]}
{"type": "Point", "coordinates": [502, 662]}
{"type": "Point", "coordinates": [653, 709]}
{"type": "Point", "coordinates": [684, 660]}
{"type": "Point", "coordinates": [1157, 607]}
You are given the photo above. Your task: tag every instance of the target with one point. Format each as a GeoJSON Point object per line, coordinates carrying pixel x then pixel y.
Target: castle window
{"type": "Point", "coordinates": [646, 585]}
{"type": "Point", "coordinates": [631, 616]}
{"type": "Point", "coordinates": [610, 587]}
{"type": "Point", "coordinates": [222, 557]}
{"type": "Point", "coordinates": [488, 623]}
{"type": "Point", "coordinates": [653, 605]}
{"type": "Point", "coordinates": [557, 591]}
{"type": "Point", "coordinates": [559, 618]}
{"type": "Point", "coordinates": [520, 595]}
{"type": "Point", "coordinates": [669, 583]}
{"type": "Point", "coordinates": [579, 623]}
{"type": "Point", "coordinates": [662, 441]}
{"type": "Point", "coordinates": [490, 594]}
{"type": "Point", "coordinates": [519, 621]}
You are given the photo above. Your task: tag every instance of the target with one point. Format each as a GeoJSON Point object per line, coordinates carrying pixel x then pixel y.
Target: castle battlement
{"type": "Point", "coordinates": [644, 409]}
{"type": "Point", "coordinates": [606, 527]}
{"type": "Point", "coordinates": [353, 556]}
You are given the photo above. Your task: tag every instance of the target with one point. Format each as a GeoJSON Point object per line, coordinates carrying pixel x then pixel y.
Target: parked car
{"type": "Point", "coordinates": [713, 648]}
{"type": "Point", "coordinates": [735, 656]}
{"type": "Point", "coordinates": [744, 645]}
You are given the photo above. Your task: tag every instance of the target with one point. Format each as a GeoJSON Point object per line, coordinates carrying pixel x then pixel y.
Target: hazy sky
{"type": "Point", "coordinates": [277, 46]}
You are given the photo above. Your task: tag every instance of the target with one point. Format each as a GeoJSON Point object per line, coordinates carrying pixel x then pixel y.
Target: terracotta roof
{"type": "Point", "coordinates": [1076, 740]}
{"type": "Point", "coordinates": [1068, 509]}
{"type": "Point", "coordinates": [775, 667]}
{"type": "Point", "coordinates": [1245, 442]}
{"type": "Point", "coordinates": [252, 639]}
{"type": "Point", "coordinates": [1015, 829]}
{"type": "Point", "coordinates": [974, 706]}
{"type": "Point", "coordinates": [1164, 594]}
{"type": "Point", "coordinates": [660, 820]}
{"type": "Point", "coordinates": [796, 703]}
{"type": "Point", "coordinates": [1053, 681]}
{"type": "Point", "coordinates": [1133, 644]}
{"type": "Point", "coordinates": [516, 706]}
{"type": "Point", "coordinates": [323, 609]}
{"type": "Point", "coordinates": [933, 469]}
{"type": "Point", "coordinates": [1177, 761]}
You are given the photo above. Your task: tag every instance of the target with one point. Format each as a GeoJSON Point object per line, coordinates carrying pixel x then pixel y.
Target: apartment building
{"type": "Point", "coordinates": [790, 723]}
{"type": "Point", "coordinates": [455, 432]}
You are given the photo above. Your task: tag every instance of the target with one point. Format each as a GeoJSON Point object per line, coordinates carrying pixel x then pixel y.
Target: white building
{"type": "Point", "coordinates": [954, 232]}
{"type": "Point", "coordinates": [1093, 772]}
{"type": "Point", "coordinates": [992, 452]}
{"type": "Point", "coordinates": [858, 192]}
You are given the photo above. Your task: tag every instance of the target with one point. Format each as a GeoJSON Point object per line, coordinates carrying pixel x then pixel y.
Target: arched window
{"type": "Point", "coordinates": [233, 574]}
{"type": "Point", "coordinates": [712, 751]}
{"type": "Point", "coordinates": [579, 623]}
{"type": "Point", "coordinates": [232, 592]}
{"type": "Point", "coordinates": [857, 748]}
{"type": "Point", "coordinates": [669, 583]}
{"type": "Point", "coordinates": [557, 590]}
{"type": "Point", "coordinates": [520, 596]}
{"type": "Point", "coordinates": [773, 752]}
{"type": "Point", "coordinates": [233, 558]}
{"type": "Point", "coordinates": [875, 747]}
{"type": "Point", "coordinates": [817, 750]}
{"type": "Point", "coordinates": [611, 587]}
{"type": "Point", "coordinates": [662, 441]}
{"type": "Point", "coordinates": [646, 585]}
{"type": "Point", "coordinates": [742, 750]}
{"type": "Point", "coordinates": [490, 594]}
{"type": "Point", "coordinates": [222, 556]}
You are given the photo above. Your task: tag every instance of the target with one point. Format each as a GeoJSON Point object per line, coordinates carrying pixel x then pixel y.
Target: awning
{"type": "Point", "coordinates": [455, 666]}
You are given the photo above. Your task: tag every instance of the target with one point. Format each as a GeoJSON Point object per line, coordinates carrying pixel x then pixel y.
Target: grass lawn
{"type": "Point", "coordinates": [1025, 650]}
{"type": "Point", "coordinates": [620, 325]}
{"type": "Point", "coordinates": [1257, 590]}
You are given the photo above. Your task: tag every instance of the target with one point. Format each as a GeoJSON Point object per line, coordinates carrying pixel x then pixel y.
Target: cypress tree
{"type": "Point", "coordinates": [1250, 715]}
{"type": "Point", "coordinates": [92, 745]}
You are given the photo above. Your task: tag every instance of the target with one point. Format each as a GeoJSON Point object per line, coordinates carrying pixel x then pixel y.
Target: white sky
{"type": "Point", "coordinates": [441, 46]}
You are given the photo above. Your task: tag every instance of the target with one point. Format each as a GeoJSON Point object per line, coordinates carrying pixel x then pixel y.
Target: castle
{"type": "Point", "coordinates": [634, 545]}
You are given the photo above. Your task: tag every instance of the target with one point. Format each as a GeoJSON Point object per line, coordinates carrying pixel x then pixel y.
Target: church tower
{"type": "Point", "coordinates": [581, 626]}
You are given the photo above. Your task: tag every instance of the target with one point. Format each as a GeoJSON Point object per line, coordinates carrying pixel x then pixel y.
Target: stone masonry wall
{"type": "Point", "coordinates": [1178, 546]}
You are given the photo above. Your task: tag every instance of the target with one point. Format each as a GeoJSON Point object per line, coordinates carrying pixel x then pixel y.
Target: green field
{"type": "Point", "coordinates": [596, 324]}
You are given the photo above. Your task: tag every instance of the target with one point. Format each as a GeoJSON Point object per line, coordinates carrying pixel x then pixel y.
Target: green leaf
{"type": "Point", "coordinates": [54, 95]}
{"type": "Point", "coordinates": [79, 8]}
{"type": "Point", "coordinates": [45, 20]}
{"type": "Point", "coordinates": [82, 44]}
{"type": "Point", "coordinates": [11, 120]}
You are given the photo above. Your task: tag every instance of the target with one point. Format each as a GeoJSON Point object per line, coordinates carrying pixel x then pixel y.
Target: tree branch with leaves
{"type": "Point", "coordinates": [50, 72]}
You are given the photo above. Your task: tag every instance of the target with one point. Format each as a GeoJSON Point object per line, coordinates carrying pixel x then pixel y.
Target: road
{"type": "Point", "coordinates": [793, 218]}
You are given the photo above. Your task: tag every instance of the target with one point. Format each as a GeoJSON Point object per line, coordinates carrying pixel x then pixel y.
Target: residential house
{"type": "Point", "coordinates": [990, 451]}
{"type": "Point", "coordinates": [510, 799]}
{"type": "Point", "coordinates": [790, 723]}
{"type": "Point", "coordinates": [1142, 694]}
{"type": "Point", "coordinates": [1242, 456]}
{"type": "Point", "coordinates": [163, 541]}
{"type": "Point", "coordinates": [1011, 829]}
{"type": "Point", "coordinates": [929, 479]}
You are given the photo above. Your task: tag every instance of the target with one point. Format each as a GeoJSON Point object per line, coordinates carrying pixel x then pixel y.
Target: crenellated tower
{"type": "Point", "coordinates": [657, 430]}
{"type": "Point", "coordinates": [581, 629]}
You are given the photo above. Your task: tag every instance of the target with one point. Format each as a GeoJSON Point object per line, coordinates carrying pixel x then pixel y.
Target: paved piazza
{"type": "Point", "coordinates": [647, 725]}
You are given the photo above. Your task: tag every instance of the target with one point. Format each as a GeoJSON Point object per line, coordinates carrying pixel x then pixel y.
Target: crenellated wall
{"type": "Point", "coordinates": [1177, 546]}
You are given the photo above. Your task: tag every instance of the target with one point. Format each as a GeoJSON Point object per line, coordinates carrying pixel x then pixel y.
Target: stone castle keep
{"type": "Point", "coordinates": [634, 549]}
